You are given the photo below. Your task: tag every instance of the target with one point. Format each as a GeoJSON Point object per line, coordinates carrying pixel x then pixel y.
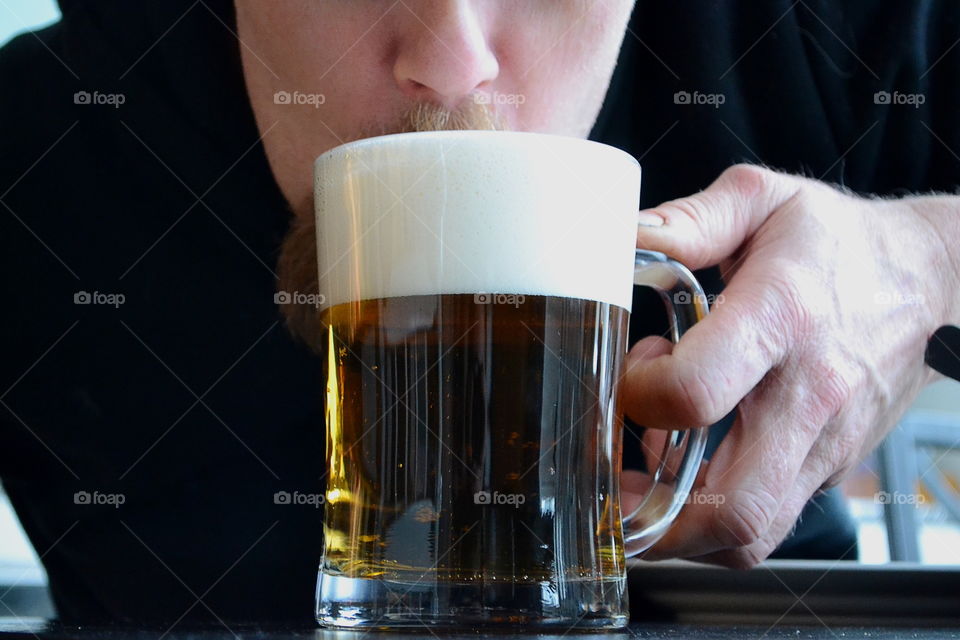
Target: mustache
{"type": "Point", "coordinates": [425, 116]}
{"type": "Point", "coordinates": [297, 263]}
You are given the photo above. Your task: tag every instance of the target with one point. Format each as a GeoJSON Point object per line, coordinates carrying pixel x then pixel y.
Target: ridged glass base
{"type": "Point", "coordinates": [344, 602]}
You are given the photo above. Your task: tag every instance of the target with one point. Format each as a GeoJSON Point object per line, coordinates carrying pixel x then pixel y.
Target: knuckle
{"type": "Point", "coordinates": [747, 180]}
{"type": "Point", "coordinates": [837, 455]}
{"type": "Point", "coordinates": [694, 209]}
{"type": "Point", "coordinates": [744, 519]}
{"type": "Point", "coordinates": [695, 401]}
{"type": "Point", "coordinates": [797, 295]}
{"type": "Point", "coordinates": [770, 343]}
{"type": "Point", "coordinates": [697, 212]}
{"type": "Point", "coordinates": [832, 392]}
{"type": "Point", "coordinates": [846, 448]}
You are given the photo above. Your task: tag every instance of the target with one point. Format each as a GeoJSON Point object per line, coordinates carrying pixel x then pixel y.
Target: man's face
{"type": "Point", "coordinates": [323, 72]}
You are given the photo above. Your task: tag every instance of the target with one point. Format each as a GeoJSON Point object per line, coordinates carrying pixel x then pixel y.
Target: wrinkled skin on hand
{"type": "Point", "coordinates": [819, 336]}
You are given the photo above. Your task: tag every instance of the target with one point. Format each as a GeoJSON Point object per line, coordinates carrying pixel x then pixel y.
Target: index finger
{"type": "Point", "coordinates": [716, 363]}
{"type": "Point", "coordinates": [705, 228]}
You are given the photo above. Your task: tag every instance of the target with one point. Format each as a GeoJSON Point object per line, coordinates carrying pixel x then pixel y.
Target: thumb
{"type": "Point", "coordinates": [706, 228]}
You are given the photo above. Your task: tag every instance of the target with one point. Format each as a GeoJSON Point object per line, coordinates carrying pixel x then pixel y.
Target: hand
{"type": "Point", "coordinates": [819, 336]}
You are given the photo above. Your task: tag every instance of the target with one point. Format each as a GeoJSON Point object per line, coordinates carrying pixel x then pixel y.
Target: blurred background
{"type": "Point", "coordinates": [25, 15]}
{"type": "Point", "coordinates": [905, 497]}
{"type": "Point", "coordinates": [19, 564]}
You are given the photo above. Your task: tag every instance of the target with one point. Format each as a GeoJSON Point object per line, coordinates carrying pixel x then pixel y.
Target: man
{"type": "Point", "coordinates": [157, 185]}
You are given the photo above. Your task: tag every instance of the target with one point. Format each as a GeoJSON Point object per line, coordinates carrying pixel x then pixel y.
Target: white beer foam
{"type": "Point", "coordinates": [476, 212]}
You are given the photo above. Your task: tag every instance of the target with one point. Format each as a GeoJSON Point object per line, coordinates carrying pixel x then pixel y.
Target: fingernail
{"type": "Point", "coordinates": [647, 219]}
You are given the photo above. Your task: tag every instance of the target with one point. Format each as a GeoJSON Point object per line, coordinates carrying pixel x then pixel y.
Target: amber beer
{"type": "Point", "coordinates": [501, 402]}
{"type": "Point", "coordinates": [477, 288]}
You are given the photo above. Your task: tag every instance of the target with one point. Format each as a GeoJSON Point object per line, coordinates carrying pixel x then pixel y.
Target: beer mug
{"type": "Point", "coordinates": [477, 288]}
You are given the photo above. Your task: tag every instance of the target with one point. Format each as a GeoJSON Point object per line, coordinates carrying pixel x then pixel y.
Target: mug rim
{"type": "Point", "coordinates": [466, 133]}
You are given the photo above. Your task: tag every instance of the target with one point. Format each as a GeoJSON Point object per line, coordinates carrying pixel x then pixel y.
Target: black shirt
{"type": "Point", "coordinates": [189, 398]}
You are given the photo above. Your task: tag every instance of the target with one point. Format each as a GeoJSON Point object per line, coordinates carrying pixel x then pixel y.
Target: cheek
{"type": "Point", "coordinates": [293, 46]}
{"type": "Point", "coordinates": [562, 67]}
{"type": "Point", "coordinates": [355, 95]}
{"type": "Point", "coordinates": [328, 47]}
{"type": "Point", "coordinates": [331, 48]}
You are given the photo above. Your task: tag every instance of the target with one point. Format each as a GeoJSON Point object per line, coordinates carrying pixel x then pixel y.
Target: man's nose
{"type": "Point", "coordinates": [443, 53]}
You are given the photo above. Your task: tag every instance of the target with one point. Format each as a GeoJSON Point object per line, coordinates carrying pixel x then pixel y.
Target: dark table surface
{"type": "Point", "coordinates": [835, 600]}
{"type": "Point", "coordinates": [11, 629]}
{"type": "Point", "coordinates": [24, 629]}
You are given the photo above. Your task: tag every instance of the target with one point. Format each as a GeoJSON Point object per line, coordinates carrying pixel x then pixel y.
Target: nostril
{"type": "Point", "coordinates": [418, 90]}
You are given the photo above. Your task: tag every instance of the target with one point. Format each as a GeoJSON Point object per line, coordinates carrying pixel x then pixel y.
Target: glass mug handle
{"type": "Point", "coordinates": [683, 449]}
